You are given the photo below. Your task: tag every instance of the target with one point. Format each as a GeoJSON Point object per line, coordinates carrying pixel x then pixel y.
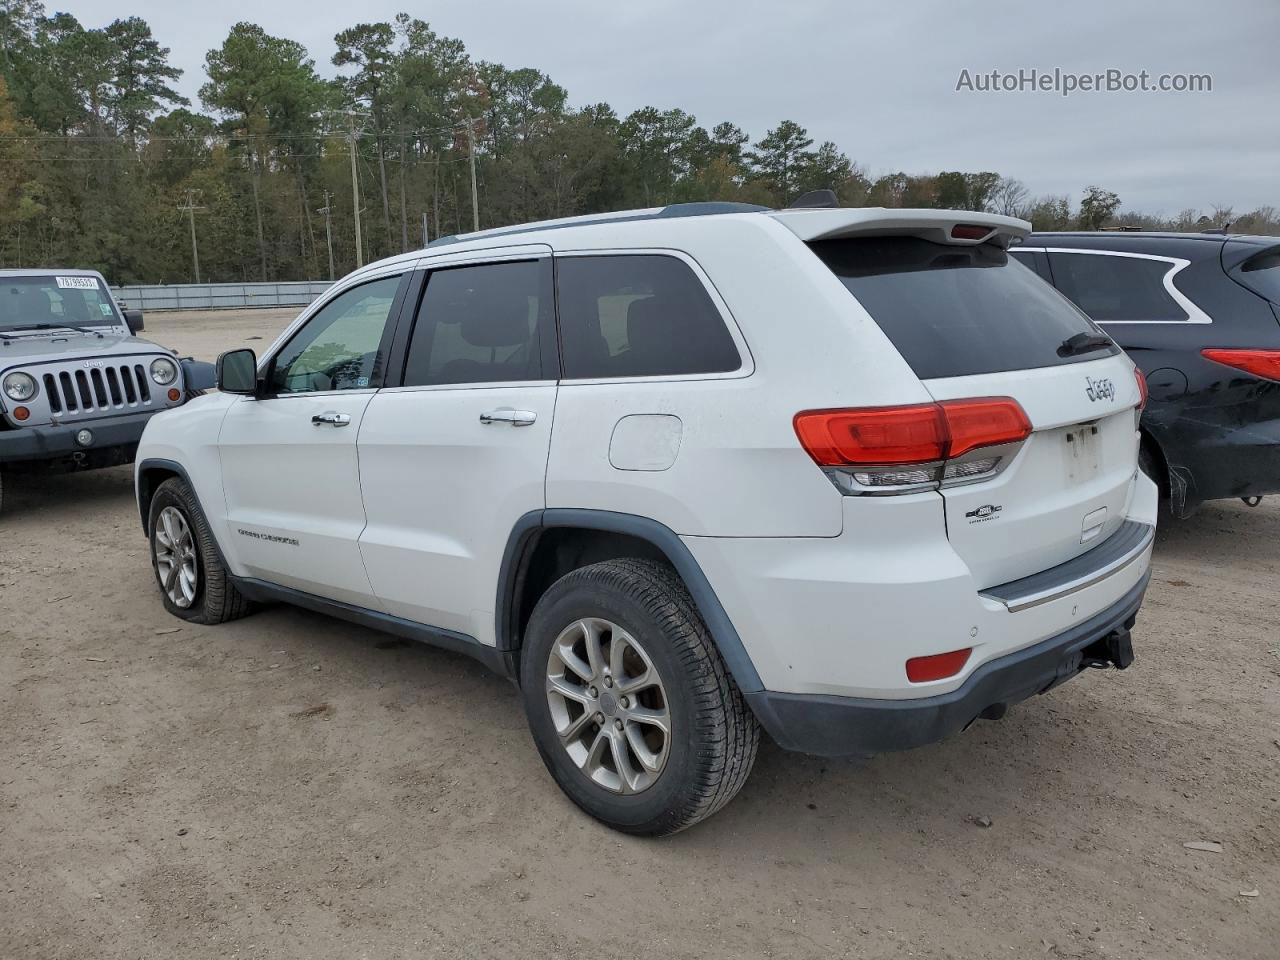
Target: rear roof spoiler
{"type": "Point", "coordinates": [936, 225]}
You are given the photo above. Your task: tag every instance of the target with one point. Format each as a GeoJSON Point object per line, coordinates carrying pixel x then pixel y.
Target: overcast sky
{"type": "Point", "coordinates": [879, 78]}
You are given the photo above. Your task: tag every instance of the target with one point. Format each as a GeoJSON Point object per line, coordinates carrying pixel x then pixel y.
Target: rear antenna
{"type": "Point", "coordinates": [815, 198]}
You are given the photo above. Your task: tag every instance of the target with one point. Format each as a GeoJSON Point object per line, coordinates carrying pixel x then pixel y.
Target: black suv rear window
{"type": "Point", "coordinates": [953, 311]}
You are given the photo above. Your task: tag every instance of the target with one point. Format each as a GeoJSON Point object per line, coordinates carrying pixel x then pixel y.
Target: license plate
{"type": "Point", "coordinates": [1082, 442]}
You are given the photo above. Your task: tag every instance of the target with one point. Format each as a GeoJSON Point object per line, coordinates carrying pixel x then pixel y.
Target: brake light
{"type": "Point", "coordinates": [1142, 387]}
{"type": "Point", "coordinates": [937, 667]}
{"type": "Point", "coordinates": [916, 434]}
{"type": "Point", "coordinates": [1261, 363]}
{"type": "Point", "coordinates": [969, 231]}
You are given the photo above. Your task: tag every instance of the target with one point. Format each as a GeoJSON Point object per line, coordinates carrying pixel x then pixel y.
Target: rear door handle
{"type": "Point", "coordinates": [331, 418]}
{"type": "Point", "coordinates": [517, 418]}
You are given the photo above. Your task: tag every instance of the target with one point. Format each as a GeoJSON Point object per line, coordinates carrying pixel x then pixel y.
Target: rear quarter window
{"type": "Point", "coordinates": [955, 311]}
{"type": "Point", "coordinates": [1261, 274]}
{"type": "Point", "coordinates": [638, 315]}
{"type": "Point", "coordinates": [1116, 288]}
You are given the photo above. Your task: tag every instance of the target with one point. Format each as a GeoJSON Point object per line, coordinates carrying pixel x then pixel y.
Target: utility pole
{"type": "Point", "coordinates": [191, 208]}
{"type": "Point", "coordinates": [327, 210]}
{"type": "Point", "coordinates": [475, 200]}
{"type": "Point", "coordinates": [424, 228]}
{"type": "Point", "coordinates": [355, 187]}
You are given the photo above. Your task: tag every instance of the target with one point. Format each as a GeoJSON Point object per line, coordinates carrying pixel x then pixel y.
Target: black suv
{"type": "Point", "coordinates": [1199, 313]}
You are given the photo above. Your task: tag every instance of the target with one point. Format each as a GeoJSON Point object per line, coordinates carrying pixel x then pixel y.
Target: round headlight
{"type": "Point", "coordinates": [19, 387]}
{"type": "Point", "coordinates": [163, 371]}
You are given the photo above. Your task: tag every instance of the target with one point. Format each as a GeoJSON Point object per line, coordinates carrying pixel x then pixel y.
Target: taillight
{"type": "Point", "coordinates": [879, 436]}
{"type": "Point", "coordinates": [1261, 363]}
{"type": "Point", "coordinates": [901, 449]}
{"type": "Point", "coordinates": [983, 423]}
{"type": "Point", "coordinates": [1142, 387]}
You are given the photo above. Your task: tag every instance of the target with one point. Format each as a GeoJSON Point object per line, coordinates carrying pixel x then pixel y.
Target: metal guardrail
{"type": "Point", "coordinates": [219, 296]}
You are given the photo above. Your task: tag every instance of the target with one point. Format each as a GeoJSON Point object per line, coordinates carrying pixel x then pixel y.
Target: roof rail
{"type": "Point", "coordinates": [671, 211]}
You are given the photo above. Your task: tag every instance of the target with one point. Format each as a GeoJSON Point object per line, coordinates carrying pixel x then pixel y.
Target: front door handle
{"type": "Point", "coordinates": [517, 418]}
{"type": "Point", "coordinates": [331, 418]}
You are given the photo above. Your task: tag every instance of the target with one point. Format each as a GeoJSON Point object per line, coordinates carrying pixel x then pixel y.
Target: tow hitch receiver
{"type": "Point", "coordinates": [1113, 650]}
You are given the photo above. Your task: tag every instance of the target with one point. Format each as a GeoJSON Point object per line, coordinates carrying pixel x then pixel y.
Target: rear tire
{"type": "Point", "coordinates": [615, 761]}
{"type": "Point", "coordinates": [194, 585]}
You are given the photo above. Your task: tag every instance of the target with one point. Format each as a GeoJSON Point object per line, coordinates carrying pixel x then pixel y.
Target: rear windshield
{"type": "Point", "coordinates": [41, 302]}
{"type": "Point", "coordinates": [953, 311]}
{"type": "Point", "coordinates": [1261, 274]}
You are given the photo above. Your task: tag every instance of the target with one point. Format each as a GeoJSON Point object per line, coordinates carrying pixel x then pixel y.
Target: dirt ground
{"type": "Point", "coordinates": [290, 786]}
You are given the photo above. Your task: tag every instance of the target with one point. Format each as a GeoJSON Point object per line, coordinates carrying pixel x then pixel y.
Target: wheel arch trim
{"type": "Point", "coordinates": [527, 530]}
{"type": "Point", "coordinates": [172, 466]}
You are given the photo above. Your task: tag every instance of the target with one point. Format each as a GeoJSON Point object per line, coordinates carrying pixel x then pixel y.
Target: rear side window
{"type": "Point", "coordinates": [638, 315]}
{"type": "Point", "coordinates": [953, 311]}
{"type": "Point", "coordinates": [1110, 288]}
{"type": "Point", "coordinates": [481, 324]}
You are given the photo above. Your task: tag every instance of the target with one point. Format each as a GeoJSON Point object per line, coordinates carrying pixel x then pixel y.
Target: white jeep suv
{"type": "Point", "coordinates": [854, 476]}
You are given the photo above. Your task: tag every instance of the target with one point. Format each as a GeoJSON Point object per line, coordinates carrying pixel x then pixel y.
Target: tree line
{"type": "Point", "coordinates": [103, 164]}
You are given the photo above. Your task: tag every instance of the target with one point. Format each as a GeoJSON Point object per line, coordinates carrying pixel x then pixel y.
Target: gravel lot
{"type": "Point", "coordinates": [290, 786]}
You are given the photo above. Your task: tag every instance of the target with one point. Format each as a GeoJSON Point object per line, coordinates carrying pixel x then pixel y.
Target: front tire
{"type": "Point", "coordinates": [194, 585]}
{"type": "Point", "coordinates": [630, 705]}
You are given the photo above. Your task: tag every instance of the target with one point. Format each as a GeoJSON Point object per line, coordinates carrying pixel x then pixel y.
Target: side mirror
{"type": "Point", "coordinates": [198, 375]}
{"type": "Point", "coordinates": [238, 372]}
{"type": "Point", "coordinates": [133, 320]}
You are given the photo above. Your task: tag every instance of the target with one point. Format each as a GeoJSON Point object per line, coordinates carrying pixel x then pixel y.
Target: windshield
{"type": "Point", "coordinates": [42, 303]}
{"type": "Point", "coordinates": [953, 311]}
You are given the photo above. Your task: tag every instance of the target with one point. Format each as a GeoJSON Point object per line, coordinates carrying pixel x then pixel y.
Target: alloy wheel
{"type": "Point", "coordinates": [608, 705]}
{"type": "Point", "coordinates": [175, 552]}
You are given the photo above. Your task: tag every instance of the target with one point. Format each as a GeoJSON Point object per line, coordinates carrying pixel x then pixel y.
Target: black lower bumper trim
{"type": "Point", "coordinates": [852, 726]}
{"type": "Point", "coordinates": [58, 441]}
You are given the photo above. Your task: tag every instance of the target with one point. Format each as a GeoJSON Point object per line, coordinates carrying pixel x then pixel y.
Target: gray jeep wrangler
{"type": "Point", "coordinates": [76, 385]}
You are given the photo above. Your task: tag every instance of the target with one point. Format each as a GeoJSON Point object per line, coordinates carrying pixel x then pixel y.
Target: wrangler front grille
{"type": "Point", "coordinates": [85, 392]}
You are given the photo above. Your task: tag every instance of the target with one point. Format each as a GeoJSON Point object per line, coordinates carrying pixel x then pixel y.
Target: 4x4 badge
{"type": "Point", "coordinates": [984, 512]}
{"type": "Point", "coordinates": [1102, 389]}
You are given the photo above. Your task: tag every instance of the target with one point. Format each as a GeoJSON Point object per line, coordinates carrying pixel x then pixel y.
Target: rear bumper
{"type": "Point", "coordinates": [855, 726]}
{"type": "Point", "coordinates": [113, 438]}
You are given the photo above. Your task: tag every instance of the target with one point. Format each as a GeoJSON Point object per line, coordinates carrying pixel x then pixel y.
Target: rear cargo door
{"type": "Point", "coordinates": [1067, 488]}
{"type": "Point", "coordinates": [973, 322]}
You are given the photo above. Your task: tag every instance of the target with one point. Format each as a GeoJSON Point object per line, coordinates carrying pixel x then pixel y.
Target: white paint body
{"type": "Point", "coordinates": [408, 510]}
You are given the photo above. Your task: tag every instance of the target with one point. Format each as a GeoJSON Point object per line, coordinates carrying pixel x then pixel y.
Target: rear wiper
{"type": "Point", "coordinates": [59, 326]}
{"type": "Point", "coordinates": [1083, 343]}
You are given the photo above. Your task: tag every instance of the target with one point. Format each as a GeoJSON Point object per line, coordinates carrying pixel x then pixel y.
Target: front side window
{"type": "Point", "coordinates": [639, 315]}
{"type": "Point", "coordinates": [1110, 288]}
{"type": "Point", "coordinates": [481, 324]}
{"type": "Point", "coordinates": [342, 346]}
